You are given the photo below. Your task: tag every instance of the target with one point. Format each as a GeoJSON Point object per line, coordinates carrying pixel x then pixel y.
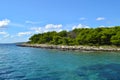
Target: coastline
{"type": "Point", "coordinates": [74, 48]}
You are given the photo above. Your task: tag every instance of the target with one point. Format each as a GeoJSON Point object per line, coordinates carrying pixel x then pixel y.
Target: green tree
{"type": "Point", "coordinates": [81, 36]}
{"type": "Point", "coordinates": [63, 33]}
{"type": "Point", "coordinates": [115, 40]}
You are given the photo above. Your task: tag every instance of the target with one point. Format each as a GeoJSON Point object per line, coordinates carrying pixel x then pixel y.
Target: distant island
{"type": "Point", "coordinates": [90, 37]}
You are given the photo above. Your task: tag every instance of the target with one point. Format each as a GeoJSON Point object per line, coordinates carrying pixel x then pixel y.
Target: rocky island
{"type": "Point", "coordinates": [82, 39]}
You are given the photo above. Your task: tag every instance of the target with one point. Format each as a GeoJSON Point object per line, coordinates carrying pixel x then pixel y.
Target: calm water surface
{"type": "Point", "coordinates": [24, 63]}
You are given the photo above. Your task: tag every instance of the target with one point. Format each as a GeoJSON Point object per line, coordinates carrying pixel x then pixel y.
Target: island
{"type": "Point", "coordinates": [87, 39]}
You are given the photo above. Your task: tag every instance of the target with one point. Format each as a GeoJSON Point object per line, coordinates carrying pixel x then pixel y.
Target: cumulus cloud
{"type": "Point", "coordinates": [100, 18]}
{"type": "Point", "coordinates": [24, 33]}
{"type": "Point", "coordinates": [53, 26]}
{"type": "Point", "coordinates": [4, 23]}
{"type": "Point", "coordinates": [47, 28]}
{"type": "Point", "coordinates": [80, 26]}
{"type": "Point", "coordinates": [37, 29]}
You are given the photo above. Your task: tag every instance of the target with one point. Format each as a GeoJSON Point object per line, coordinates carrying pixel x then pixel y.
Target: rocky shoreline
{"type": "Point", "coordinates": [76, 48]}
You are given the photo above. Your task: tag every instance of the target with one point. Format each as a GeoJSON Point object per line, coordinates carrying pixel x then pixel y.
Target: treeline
{"type": "Point", "coordinates": [81, 36]}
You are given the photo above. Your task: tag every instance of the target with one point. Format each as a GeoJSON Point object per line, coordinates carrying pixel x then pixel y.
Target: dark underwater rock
{"type": "Point", "coordinates": [104, 71]}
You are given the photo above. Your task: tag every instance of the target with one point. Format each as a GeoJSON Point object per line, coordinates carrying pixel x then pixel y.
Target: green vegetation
{"type": "Point", "coordinates": [81, 36]}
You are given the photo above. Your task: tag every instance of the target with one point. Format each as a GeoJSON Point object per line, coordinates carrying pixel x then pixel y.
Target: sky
{"type": "Point", "coordinates": [20, 19]}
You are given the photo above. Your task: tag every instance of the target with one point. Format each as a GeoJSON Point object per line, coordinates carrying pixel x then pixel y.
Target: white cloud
{"type": "Point", "coordinates": [32, 22]}
{"type": "Point", "coordinates": [3, 33]}
{"type": "Point", "coordinates": [82, 18]}
{"type": "Point", "coordinates": [102, 26]}
{"type": "Point", "coordinates": [80, 26]}
{"type": "Point", "coordinates": [100, 18]}
{"type": "Point", "coordinates": [4, 23]}
{"type": "Point", "coordinates": [37, 29]}
{"type": "Point", "coordinates": [53, 26]}
{"type": "Point", "coordinates": [6, 36]}
{"type": "Point", "coordinates": [47, 28]}
{"type": "Point", "coordinates": [24, 33]}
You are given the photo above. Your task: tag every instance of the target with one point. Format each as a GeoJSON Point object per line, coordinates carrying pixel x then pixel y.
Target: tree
{"type": "Point", "coordinates": [57, 40]}
{"type": "Point", "coordinates": [115, 40]}
{"type": "Point", "coordinates": [62, 33]}
{"type": "Point", "coordinates": [81, 36]}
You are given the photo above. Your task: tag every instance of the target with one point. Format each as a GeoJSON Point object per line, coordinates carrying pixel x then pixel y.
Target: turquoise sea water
{"type": "Point", "coordinates": [24, 63]}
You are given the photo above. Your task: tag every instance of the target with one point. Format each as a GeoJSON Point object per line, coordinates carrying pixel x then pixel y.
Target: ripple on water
{"type": "Point", "coordinates": [18, 63]}
{"type": "Point", "coordinates": [6, 68]}
{"type": "Point", "coordinates": [100, 72]}
{"type": "Point", "coordinates": [44, 78]}
{"type": "Point", "coordinates": [44, 73]}
{"type": "Point", "coordinates": [8, 72]}
{"type": "Point", "coordinates": [13, 76]}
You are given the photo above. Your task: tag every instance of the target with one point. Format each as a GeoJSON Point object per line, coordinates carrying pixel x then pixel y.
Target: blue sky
{"type": "Point", "coordinates": [19, 19]}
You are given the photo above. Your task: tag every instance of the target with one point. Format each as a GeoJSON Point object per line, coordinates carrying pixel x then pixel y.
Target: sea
{"type": "Point", "coordinates": [26, 63]}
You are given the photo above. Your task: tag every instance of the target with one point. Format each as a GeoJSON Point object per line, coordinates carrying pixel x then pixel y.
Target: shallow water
{"type": "Point", "coordinates": [24, 63]}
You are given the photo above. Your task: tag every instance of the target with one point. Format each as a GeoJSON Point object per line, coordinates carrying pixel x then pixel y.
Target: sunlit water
{"type": "Point", "coordinates": [24, 63]}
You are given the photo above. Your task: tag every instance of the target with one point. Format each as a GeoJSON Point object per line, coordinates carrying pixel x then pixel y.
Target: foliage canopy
{"type": "Point", "coordinates": [81, 36]}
